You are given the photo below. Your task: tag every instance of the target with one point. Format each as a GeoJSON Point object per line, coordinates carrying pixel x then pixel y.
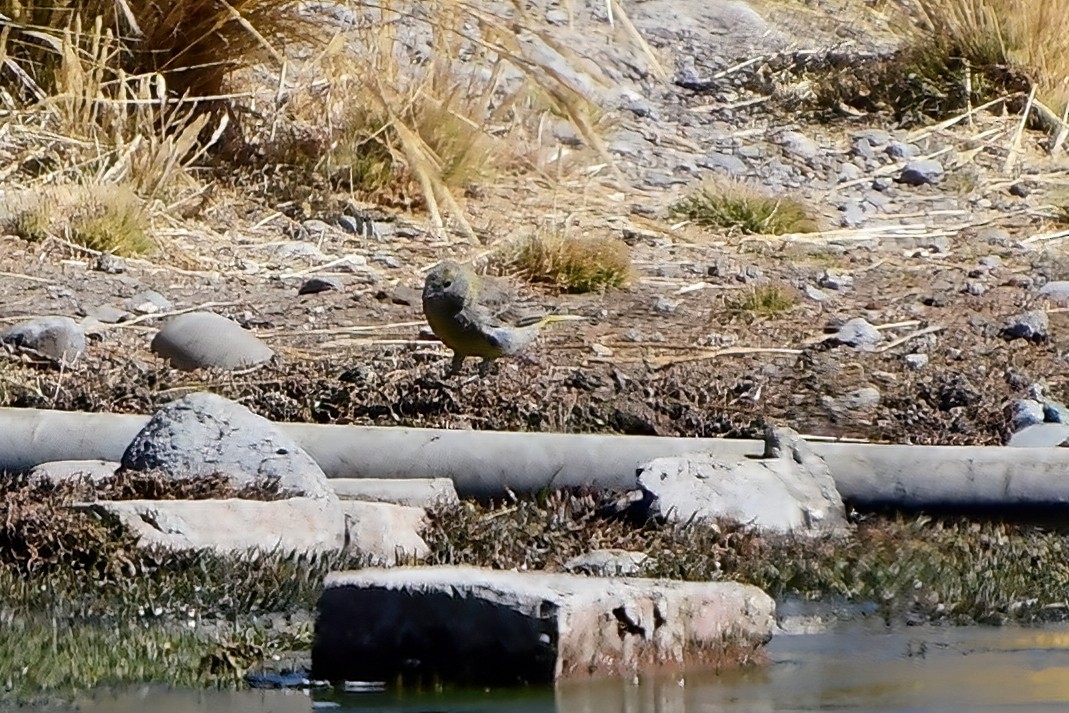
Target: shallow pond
{"type": "Point", "coordinates": [861, 666]}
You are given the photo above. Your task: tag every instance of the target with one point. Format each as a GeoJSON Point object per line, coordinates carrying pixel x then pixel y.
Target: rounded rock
{"type": "Point", "coordinates": [201, 340]}
{"type": "Point", "coordinates": [59, 339]}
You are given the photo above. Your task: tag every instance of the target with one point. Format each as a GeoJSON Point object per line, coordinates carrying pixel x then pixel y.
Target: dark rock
{"type": "Point", "coordinates": [921, 172]}
{"type": "Point", "coordinates": [1033, 326]}
{"type": "Point", "coordinates": [315, 285]}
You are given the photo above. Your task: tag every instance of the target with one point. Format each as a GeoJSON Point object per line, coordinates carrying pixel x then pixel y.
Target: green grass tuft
{"type": "Point", "coordinates": [741, 209]}
{"type": "Point", "coordinates": [585, 264]}
{"type": "Point", "coordinates": [763, 301]}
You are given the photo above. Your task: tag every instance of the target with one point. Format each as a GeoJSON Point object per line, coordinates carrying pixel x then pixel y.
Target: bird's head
{"type": "Point", "coordinates": [449, 280]}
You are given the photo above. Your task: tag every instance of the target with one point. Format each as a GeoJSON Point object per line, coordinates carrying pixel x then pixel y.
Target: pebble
{"type": "Point", "coordinates": [875, 137]}
{"type": "Point", "coordinates": [836, 280]}
{"type": "Point", "coordinates": [59, 339]}
{"type": "Point", "coordinates": [991, 261]}
{"type": "Point", "coordinates": [798, 144]}
{"type": "Point", "coordinates": [815, 294]}
{"type": "Point", "coordinates": [921, 172]}
{"type": "Point", "coordinates": [1040, 435]}
{"type": "Point", "coordinates": [897, 149]}
{"type": "Point", "coordinates": [315, 229]}
{"type": "Point", "coordinates": [663, 305]}
{"type": "Point", "coordinates": [1033, 326]}
{"type": "Point", "coordinates": [1054, 412]}
{"type": "Point", "coordinates": [733, 165]}
{"type": "Point", "coordinates": [149, 302]}
{"type": "Point", "coordinates": [109, 264]}
{"type": "Point", "coordinates": [1057, 290]}
{"type": "Point", "coordinates": [853, 215]}
{"type": "Point", "coordinates": [858, 333]}
{"type": "Point", "coordinates": [315, 285]}
{"type": "Point", "coordinates": [916, 362]}
{"type": "Point", "coordinates": [108, 314]}
{"type": "Point", "coordinates": [862, 147]}
{"type": "Point", "coordinates": [975, 288]}
{"type": "Point", "coordinates": [1024, 413]}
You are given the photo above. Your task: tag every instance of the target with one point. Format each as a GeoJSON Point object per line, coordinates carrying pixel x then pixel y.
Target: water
{"type": "Point", "coordinates": [853, 667]}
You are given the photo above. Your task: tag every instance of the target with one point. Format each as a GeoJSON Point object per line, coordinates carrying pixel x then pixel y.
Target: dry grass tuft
{"type": "Point", "coordinates": [104, 218]}
{"type": "Point", "coordinates": [763, 301]}
{"type": "Point", "coordinates": [960, 53]}
{"type": "Point", "coordinates": [583, 264]}
{"type": "Point", "coordinates": [738, 208]}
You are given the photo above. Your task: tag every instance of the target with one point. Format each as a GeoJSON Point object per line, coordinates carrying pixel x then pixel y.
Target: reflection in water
{"type": "Point", "coordinates": [855, 667]}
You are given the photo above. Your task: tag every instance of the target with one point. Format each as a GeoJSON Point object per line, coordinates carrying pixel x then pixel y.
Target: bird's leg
{"type": "Point", "coordinates": [487, 367]}
{"type": "Point", "coordinates": [457, 364]}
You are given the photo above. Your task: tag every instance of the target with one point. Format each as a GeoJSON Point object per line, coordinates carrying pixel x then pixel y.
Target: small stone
{"type": "Point", "coordinates": [863, 399]}
{"type": "Point", "coordinates": [921, 172]}
{"type": "Point", "coordinates": [836, 280]}
{"type": "Point", "coordinates": [351, 224]}
{"type": "Point", "coordinates": [881, 184]}
{"type": "Point", "coordinates": [1054, 412]}
{"type": "Point", "coordinates": [107, 314]}
{"type": "Point", "coordinates": [557, 16]}
{"type": "Point", "coordinates": [815, 294]}
{"type": "Point", "coordinates": [1041, 435]}
{"type": "Point", "coordinates": [897, 149]}
{"type": "Point", "coordinates": [316, 229]}
{"type": "Point", "coordinates": [915, 362]}
{"type": "Point", "coordinates": [1024, 413]}
{"type": "Point", "coordinates": [853, 215]}
{"type": "Point", "coordinates": [991, 262]}
{"type": "Point", "coordinates": [663, 305]}
{"type": "Point", "coordinates": [798, 144]}
{"type": "Point", "coordinates": [992, 235]}
{"type": "Point", "coordinates": [858, 333]}
{"type": "Point", "coordinates": [862, 148]}
{"type": "Point", "coordinates": [633, 335]}
{"type": "Point", "coordinates": [975, 288]}
{"type": "Point", "coordinates": [875, 137]}
{"type": "Point", "coordinates": [1056, 290]}
{"type": "Point", "coordinates": [728, 163]}
{"type": "Point", "coordinates": [58, 339]}
{"type": "Point", "coordinates": [149, 302]}
{"type": "Point", "coordinates": [1033, 326]}
{"type": "Point", "coordinates": [1020, 190]}
{"type": "Point", "coordinates": [609, 563]}
{"type": "Point", "coordinates": [386, 259]}
{"type": "Point", "coordinates": [315, 285]}
{"type": "Point", "coordinates": [110, 264]}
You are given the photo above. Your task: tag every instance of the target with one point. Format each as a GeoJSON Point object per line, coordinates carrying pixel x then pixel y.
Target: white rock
{"type": "Point", "coordinates": [788, 490]}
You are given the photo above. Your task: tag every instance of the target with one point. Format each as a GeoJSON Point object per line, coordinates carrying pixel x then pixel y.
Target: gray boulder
{"type": "Point", "coordinates": [1040, 435]}
{"type": "Point", "coordinates": [788, 490]}
{"type": "Point", "coordinates": [57, 339]}
{"type": "Point", "coordinates": [200, 340]}
{"type": "Point", "coordinates": [467, 625]}
{"type": "Point", "coordinates": [859, 334]}
{"type": "Point", "coordinates": [920, 172]}
{"type": "Point", "coordinates": [203, 434]}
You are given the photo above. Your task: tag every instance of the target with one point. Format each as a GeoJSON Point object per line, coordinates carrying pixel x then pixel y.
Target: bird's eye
{"type": "Point", "coordinates": [447, 284]}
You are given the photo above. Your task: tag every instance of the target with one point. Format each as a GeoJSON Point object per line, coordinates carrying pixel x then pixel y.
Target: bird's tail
{"type": "Point", "coordinates": [553, 318]}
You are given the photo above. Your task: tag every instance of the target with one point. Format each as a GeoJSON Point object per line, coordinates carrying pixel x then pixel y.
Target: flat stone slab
{"type": "Point", "coordinates": [381, 531]}
{"type": "Point", "coordinates": [414, 492]}
{"type": "Point", "coordinates": [468, 625]}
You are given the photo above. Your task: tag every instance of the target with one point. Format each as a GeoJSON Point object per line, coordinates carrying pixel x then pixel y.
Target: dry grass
{"type": "Point", "coordinates": [956, 54]}
{"type": "Point", "coordinates": [738, 208]}
{"type": "Point", "coordinates": [992, 36]}
{"type": "Point", "coordinates": [763, 301]}
{"type": "Point", "coordinates": [102, 217]}
{"type": "Point", "coordinates": [402, 103]}
{"type": "Point", "coordinates": [579, 264]}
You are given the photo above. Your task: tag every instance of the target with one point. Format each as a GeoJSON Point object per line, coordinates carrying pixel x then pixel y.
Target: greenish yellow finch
{"type": "Point", "coordinates": [455, 310]}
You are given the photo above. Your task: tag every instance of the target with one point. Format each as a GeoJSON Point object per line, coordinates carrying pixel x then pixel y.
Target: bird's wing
{"type": "Point", "coordinates": [475, 318]}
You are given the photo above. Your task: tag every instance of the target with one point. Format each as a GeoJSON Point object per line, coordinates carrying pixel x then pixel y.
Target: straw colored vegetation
{"type": "Point", "coordinates": [961, 53]}
{"type": "Point", "coordinates": [738, 208]}
{"type": "Point", "coordinates": [290, 102]}
{"type": "Point", "coordinates": [763, 301]}
{"type": "Point", "coordinates": [574, 264]}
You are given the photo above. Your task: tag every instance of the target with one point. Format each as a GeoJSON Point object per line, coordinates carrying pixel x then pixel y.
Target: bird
{"type": "Point", "coordinates": [457, 302]}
